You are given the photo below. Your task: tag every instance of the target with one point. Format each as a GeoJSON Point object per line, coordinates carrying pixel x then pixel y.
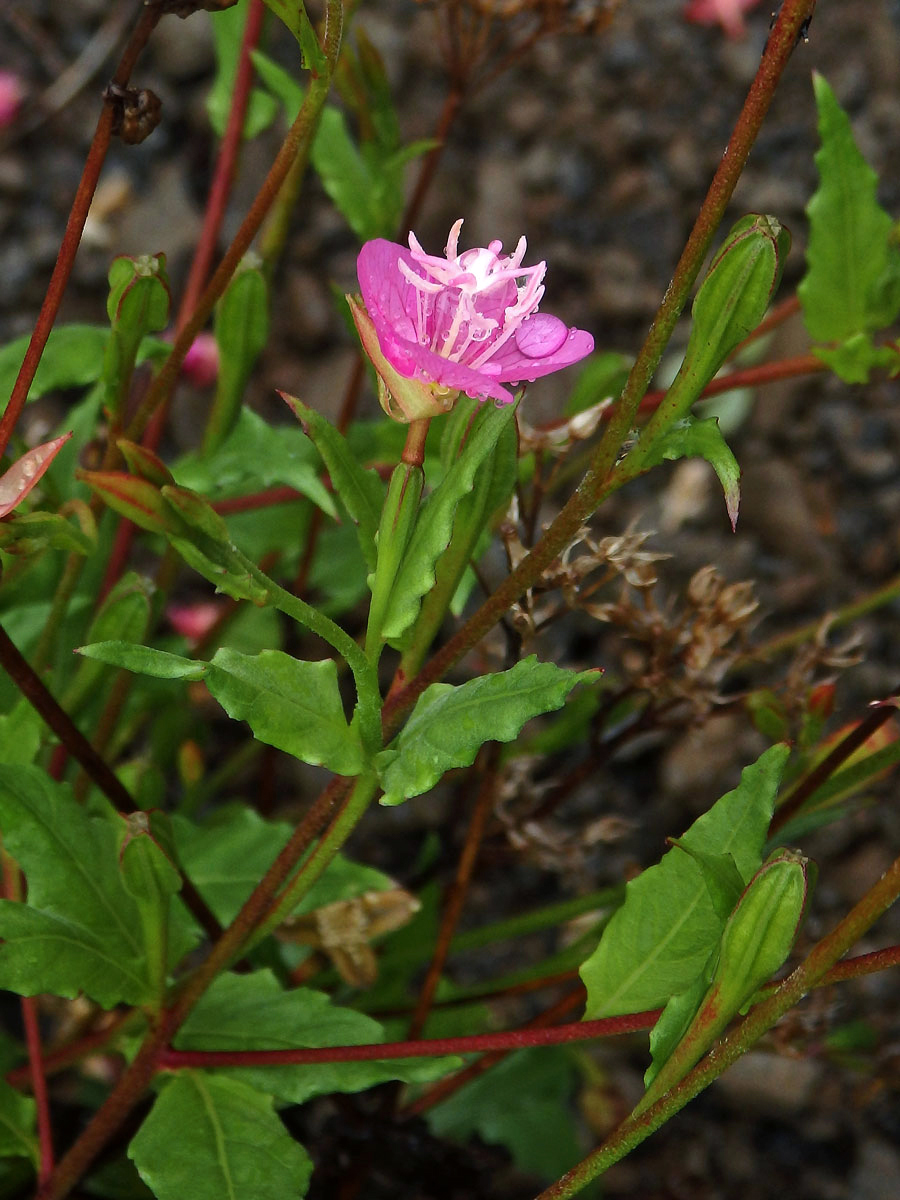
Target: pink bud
{"type": "Point", "coordinates": [12, 93]}
{"type": "Point", "coordinates": [201, 363]}
{"type": "Point", "coordinates": [194, 621]}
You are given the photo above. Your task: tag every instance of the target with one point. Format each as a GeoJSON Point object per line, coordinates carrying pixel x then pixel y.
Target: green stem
{"type": "Point", "coordinates": [364, 673]}
{"type": "Point", "coordinates": [761, 1018]}
{"type": "Point", "coordinates": [599, 481]}
{"type": "Point", "coordinates": [356, 804]}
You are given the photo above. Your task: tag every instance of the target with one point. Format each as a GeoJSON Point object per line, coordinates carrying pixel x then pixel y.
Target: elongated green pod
{"type": "Point", "coordinates": [398, 520]}
{"type": "Point", "coordinates": [756, 940]}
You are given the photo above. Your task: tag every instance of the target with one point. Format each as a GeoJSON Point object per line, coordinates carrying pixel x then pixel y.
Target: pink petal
{"type": "Point", "coordinates": [26, 471]}
{"type": "Point", "coordinates": [516, 366]}
{"type": "Point", "coordinates": [540, 335]}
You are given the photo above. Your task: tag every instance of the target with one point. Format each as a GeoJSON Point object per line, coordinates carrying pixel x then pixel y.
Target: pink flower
{"type": "Point", "coordinates": [12, 94]}
{"type": "Point", "coordinates": [434, 327]}
{"type": "Point", "coordinates": [727, 13]}
{"type": "Point", "coordinates": [201, 363]}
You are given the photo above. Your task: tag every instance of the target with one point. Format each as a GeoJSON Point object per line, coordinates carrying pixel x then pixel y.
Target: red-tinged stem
{"type": "Point", "coordinates": [513, 1039]}
{"type": "Point", "coordinates": [219, 191]}
{"type": "Point", "coordinates": [787, 368]}
{"type": "Point", "coordinates": [45, 703]}
{"type": "Point", "coordinates": [256, 500]}
{"type": "Point", "coordinates": [862, 964]}
{"type": "Point", "coordinates": [597, 483]}
{"type": "Point", "coordinates": [72, 1052]}
{"type": "Point", "coordinates": [74, 227]}
{"type": "Point", "coordinates": [456, 897]}
{"type": "Point", "coordinates": [38, 1087]}
{"type": "Point", "coordinates": [444, 1088]}
{"type": "Point", "coordinates": [882, 711]}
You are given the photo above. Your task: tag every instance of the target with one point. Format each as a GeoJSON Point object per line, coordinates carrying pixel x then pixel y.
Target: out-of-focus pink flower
{"type": "Point", "coordinates": [12, 93]}
{"type": "Point", "coordinates": [434, 327]}
{"type": "Point", "coordinates": [201, 363]}
{"type": "Point", "coordinates": [727, 13]}
{"type": "Point", "coordinates": [194, 621]}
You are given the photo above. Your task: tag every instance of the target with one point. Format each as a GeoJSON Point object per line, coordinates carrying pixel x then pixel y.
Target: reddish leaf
{"type": "Point", "coordinates": [26, 471]}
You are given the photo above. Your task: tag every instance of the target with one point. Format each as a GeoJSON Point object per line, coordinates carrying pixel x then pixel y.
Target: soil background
{"type": "Point", "coordinates": [600, 149]}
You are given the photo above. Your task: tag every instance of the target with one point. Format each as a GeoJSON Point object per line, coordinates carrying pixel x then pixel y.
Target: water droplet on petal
{"type": "Point", "coordinates": [541, 335]}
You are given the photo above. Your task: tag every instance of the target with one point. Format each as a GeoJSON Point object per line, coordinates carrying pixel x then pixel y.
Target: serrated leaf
{"type": "Point", "coordinates": [848, 251]}
{"type": "Point", "coordinates": [435, 522]}
{"type": "Point", "coordinates": [217, 1139]}
{"type": "Point", "coordinates": [227, 855]}
{"type": "Point", "coordinates": [288, 703]}
{"type": "Point", "coordinates": [253, 1012]}
{"type": "Point", "coordinates": [523, 1103]}
{"type": "Point", "coordinates": [18, 1138]}
{"type": "Point", "coordinates": [80, 930]}
{"type": "Point", "coordinates": [360, 490]}
{"type": "Point", "coordinates": [658, 942]}
{"type": "Point", "coordinates": [449, 724]}
{"type": "Point", "coordinates": [693, 438]}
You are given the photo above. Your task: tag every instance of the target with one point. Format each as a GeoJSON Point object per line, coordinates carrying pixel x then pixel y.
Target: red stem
{"type": "Point", "coordinates": [38, 1087]}
{"type": "Point", "coordinates": [513, 1039]}
{"type": "Point", "coordinates": [883, 710]}
{"type": "Point", "coordinates": [456, 897]}
{"type": "Point", "coordinates": [68, 249]}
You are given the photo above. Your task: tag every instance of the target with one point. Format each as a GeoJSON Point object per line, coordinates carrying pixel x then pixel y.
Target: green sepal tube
{"type": "Point", "coordinates": [398, 520]}
{"type": "Point", "coordinates": [146, 861]}
{"type": "Point", "coordinates": [138, 304]}
{"type": "Point", "coordinates": [756, 940]}
{"type": "Point", "coordinates": [731, 302]}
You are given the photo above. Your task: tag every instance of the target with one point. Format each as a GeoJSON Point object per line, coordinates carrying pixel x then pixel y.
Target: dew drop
{"type": "Point", "coordinates": [540, 335]}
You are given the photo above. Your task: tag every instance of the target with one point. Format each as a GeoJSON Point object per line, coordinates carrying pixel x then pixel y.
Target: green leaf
{"type": "Point", "coordinates": [288, 703]}
{"type": "Point", "coordinates": [280, 83]}
{"type": "Point", "coordinates": [17, 1124]}
{"type": "Point", "coordinates": [253, 1012]}
{"type": "Point", "coordinates": [659, 941]}
{"type": "Point", "coordinates": [227, 855]}
{"type": "Point", "coordinates": [293, 13]}
{"type": "Point", "coordinates": [80, 930]}
{"type": "Point", "coordinates": [848, 254]}
{"type": "Point", "coordinates": [345, 175]}
{"type": "Point", "coordinates": [228, 29]}
{"type": "Point", "coordinates": [241, 331]}
{"type": "Point", "coordinates": [72, 358]}
{"type": "Point", "coordinates": [854, 359]}
{"type": "Point", "coordinates": [20, 734]}
{"type": "Point", "coordinates": [449, 724]}
{"type": "Point", "coordinates": [217, 1139]}
{"type": "Point", "coordinates": [693, 438]}
{"type": "Point", "coordinates": [360, 491]}
{"type": "Point", "coordinates": [435, 523]}
{"type": "Point", "coordinates": [254, 456]}
{"type": "Point", "coordinates": [145, 660]}
{"type": "Point", "coordinates": [524, 1104]}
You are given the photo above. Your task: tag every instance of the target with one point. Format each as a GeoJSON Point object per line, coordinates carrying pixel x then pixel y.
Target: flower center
{"type": "Point", "coordinates": [469, 305]}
